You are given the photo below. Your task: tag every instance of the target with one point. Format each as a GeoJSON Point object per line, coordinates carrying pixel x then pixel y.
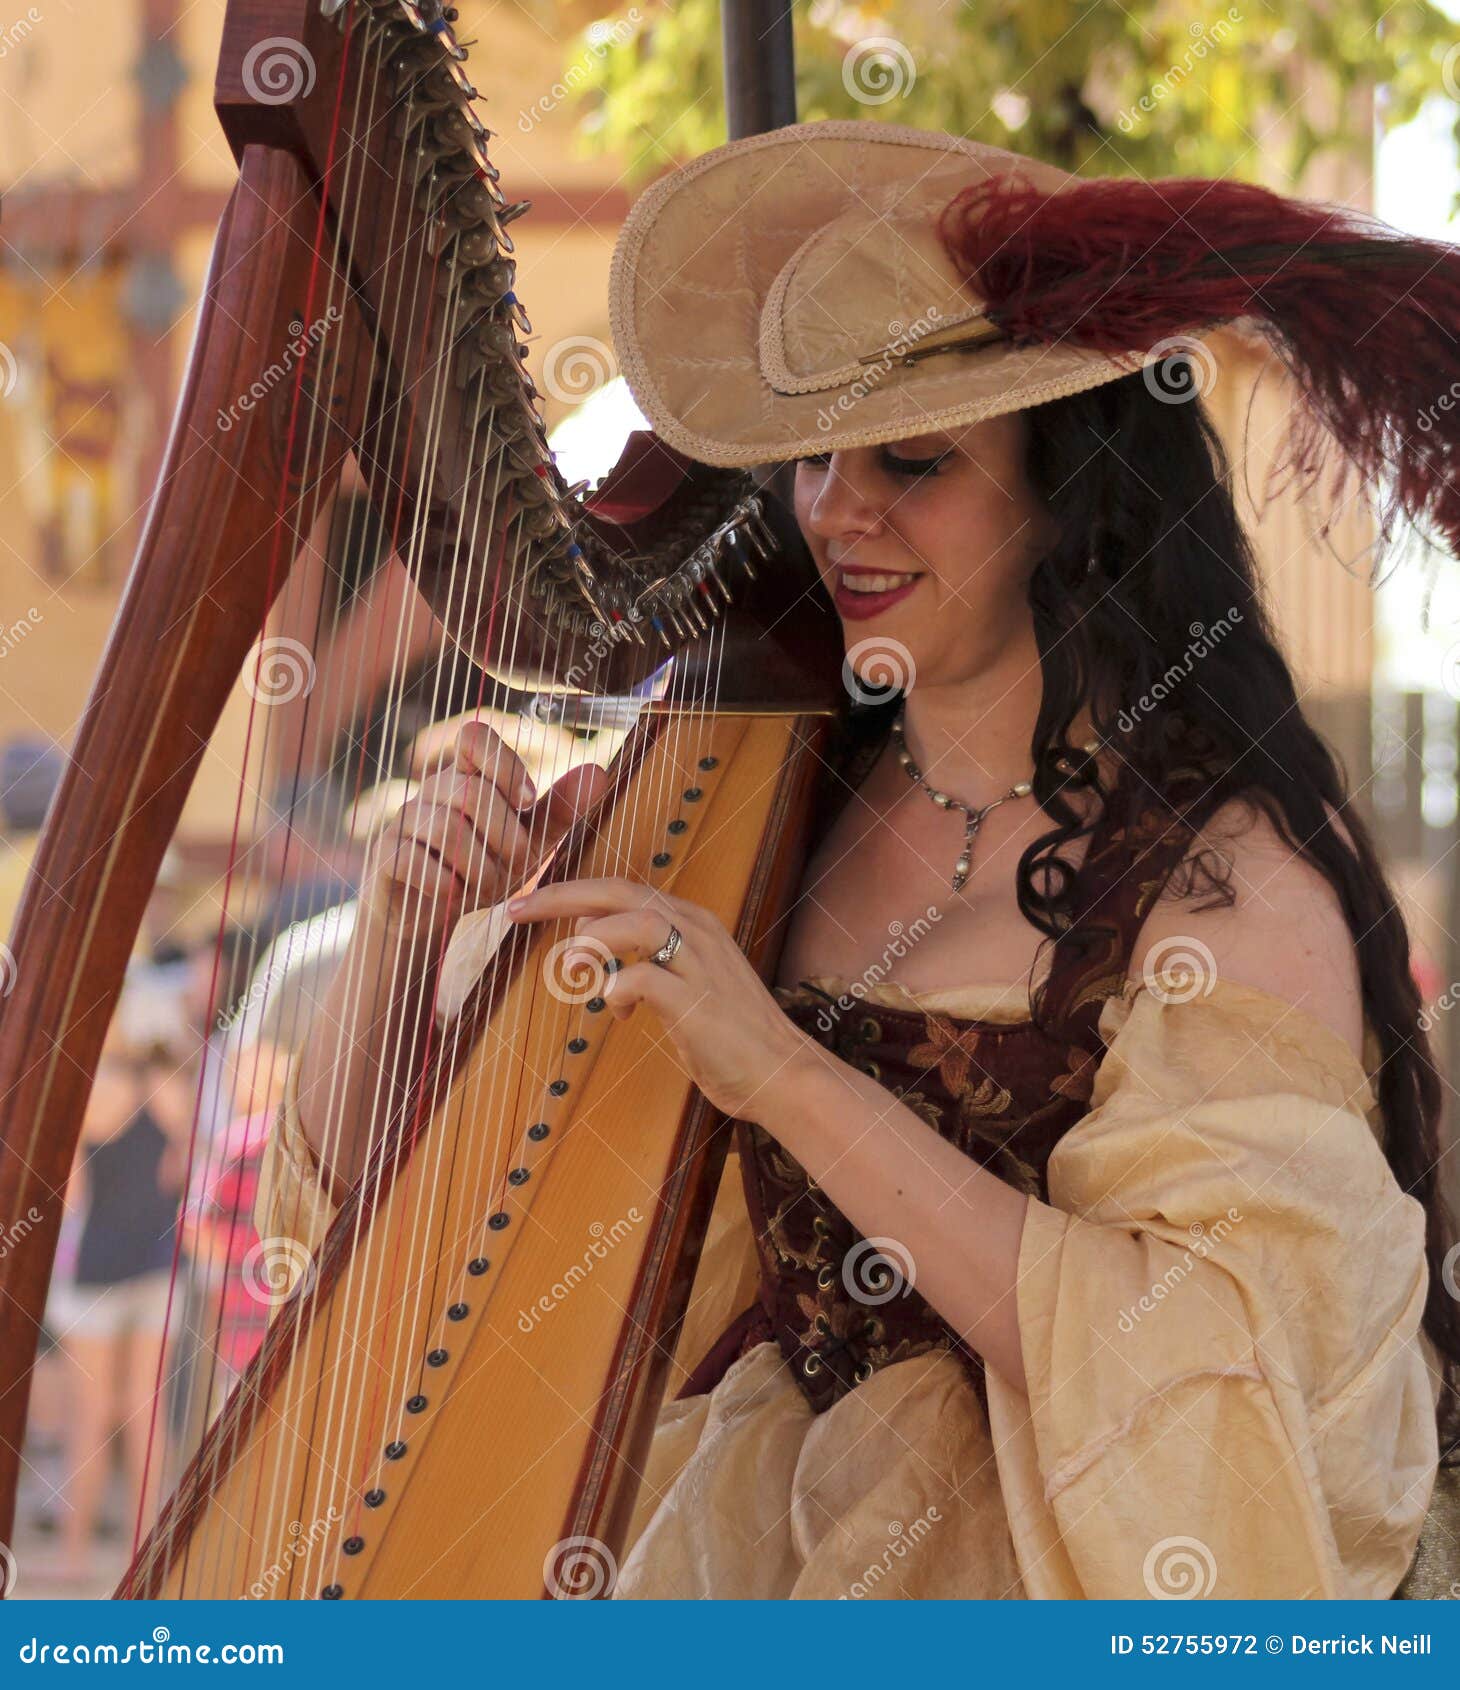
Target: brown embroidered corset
{"type": "Point", "coordinates": [1004, 1092]}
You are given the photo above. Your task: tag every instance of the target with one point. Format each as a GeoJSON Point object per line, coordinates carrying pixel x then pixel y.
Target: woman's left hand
{"type": "Point", "coordinates": [736, 1043]}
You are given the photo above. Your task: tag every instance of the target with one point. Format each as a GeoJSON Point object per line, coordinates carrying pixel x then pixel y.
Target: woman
{"type": "Point", "coordinates": [111, 1311]}
{"type": "Point", "coordinates": [1099, 1239]}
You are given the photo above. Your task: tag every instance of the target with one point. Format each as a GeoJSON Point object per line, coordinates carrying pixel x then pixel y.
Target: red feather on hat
{"type": "Point", "coordinates": [1365, 318]}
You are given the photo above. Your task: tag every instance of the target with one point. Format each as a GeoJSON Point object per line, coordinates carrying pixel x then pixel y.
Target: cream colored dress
{"type": "Point", "coordinates": [1229, 1394]}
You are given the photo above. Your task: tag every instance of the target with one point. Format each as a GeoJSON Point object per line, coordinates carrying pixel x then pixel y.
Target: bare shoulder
{"type": "Point", "coordinates": [1284, 931]}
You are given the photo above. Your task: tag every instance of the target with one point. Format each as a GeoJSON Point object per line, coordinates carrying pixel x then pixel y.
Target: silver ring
{"type": "Point", "coordinates": [670, 948]}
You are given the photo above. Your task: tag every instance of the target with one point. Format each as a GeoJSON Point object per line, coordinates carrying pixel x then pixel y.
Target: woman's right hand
{"type": "Point", "coordinates": [471, 836]}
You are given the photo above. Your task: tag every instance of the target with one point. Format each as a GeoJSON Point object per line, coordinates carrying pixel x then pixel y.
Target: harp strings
{"type": "Point", "coordinates": [427, 1270]}
{"type": "Point", "coordinates": [309, 807]}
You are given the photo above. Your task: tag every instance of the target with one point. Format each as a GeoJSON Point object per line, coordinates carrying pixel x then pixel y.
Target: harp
{"type": "Point", "coordinates": [397, 1434]}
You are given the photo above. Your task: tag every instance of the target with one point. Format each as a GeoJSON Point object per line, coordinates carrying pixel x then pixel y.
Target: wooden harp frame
{"type": "Point", "coordinates": [212, 560]}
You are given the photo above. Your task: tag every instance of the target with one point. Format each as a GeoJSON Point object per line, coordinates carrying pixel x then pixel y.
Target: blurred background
{"type": "Point", "coordinates": [114, 174]}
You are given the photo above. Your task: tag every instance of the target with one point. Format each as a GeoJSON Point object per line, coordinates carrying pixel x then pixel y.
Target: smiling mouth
{"type": "Point", "coordinates": [875, 580]}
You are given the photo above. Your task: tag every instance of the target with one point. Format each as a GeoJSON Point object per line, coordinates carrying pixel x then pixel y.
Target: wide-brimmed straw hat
{"type": "Point", "coordinates": [838, 284]}
{"type": "Point", "coordinates": [748, 287]}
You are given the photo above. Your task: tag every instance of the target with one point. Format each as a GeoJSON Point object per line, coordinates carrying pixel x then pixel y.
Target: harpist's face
{"type": "Point", "coordinates": [928, 541]}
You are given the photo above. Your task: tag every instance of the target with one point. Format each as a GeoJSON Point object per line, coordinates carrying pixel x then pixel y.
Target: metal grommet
{"type": "Point", "coordinates": [821, 1226]}
{"type": "Point", "coordinates": [873, 1328]}
{"type": "Point", "coordinates": [821, 1324]}
{"type": "Point", "coordinates": [869, 1030]}
{"type": "Point", "coordinates": [826, 1278]}
{"type": "Point", "coordinates": [864, 1372]}
{"type": "Point", "coordinates": [811, 1366]}
{"type": "Point", "coordinates": [871, 1069]}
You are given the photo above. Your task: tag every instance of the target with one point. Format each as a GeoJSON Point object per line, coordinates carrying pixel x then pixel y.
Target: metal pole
{"type": "Point", "coordinates": [760, 94]}
{"type": "Point", "coordinates": [760, 65]}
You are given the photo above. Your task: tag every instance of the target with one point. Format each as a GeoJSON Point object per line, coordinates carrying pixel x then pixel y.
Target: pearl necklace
{"type": "Point", "coordinates": [973, 819]}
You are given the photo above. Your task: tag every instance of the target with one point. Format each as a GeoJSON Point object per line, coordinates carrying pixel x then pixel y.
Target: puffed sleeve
{"type": "Point", "coordinates": [291, 1201]}
{"type": "Point", "coordinates": [1228, 1391]}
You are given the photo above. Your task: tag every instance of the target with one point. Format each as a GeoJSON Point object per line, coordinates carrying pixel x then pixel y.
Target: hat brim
{"type": "Point", "coordinates": [696, 261]}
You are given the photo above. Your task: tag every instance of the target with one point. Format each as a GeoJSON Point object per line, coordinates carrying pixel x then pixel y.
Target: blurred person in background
{"type": "Point", "coordinates": [239, 1278]}
{"type": "Point", "coordinates": [109, 1310]}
